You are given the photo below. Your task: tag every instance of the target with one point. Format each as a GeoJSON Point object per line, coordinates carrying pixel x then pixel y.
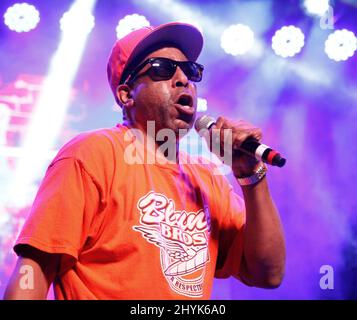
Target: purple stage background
{"type": "Point", "coordinates": [306, 106]}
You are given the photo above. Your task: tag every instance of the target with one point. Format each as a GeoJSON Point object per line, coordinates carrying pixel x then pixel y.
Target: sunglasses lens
{"type": "Point", "coordinates": [192, 70]}
{"type": "Point", "coordinates": [162, 69]}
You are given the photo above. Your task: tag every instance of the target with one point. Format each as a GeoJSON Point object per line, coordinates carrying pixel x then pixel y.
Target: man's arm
{"type": "Point", "coordinates": [34, 272]}
{"type": "Point", "coordinates": [263, 260]}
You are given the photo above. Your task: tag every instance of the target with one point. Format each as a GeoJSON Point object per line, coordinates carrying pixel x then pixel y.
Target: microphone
{"type": "Point", "coordinates": [250, 146]}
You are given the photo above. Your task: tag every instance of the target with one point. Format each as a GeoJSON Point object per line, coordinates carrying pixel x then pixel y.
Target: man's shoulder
{"type": "Point", "coordinates": [95, 138]}
{"type": "Point", "coordinates": [95, 144]}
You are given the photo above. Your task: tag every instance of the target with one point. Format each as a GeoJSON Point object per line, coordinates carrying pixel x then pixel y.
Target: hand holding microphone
{"type": "Point", "coordinates": [245, 139]}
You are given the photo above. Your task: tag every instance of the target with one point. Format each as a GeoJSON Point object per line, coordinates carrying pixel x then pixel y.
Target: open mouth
{"type": "Point", "coordinates": [185, 100]}
{"type": "Point", "coordinates": [184, 107]}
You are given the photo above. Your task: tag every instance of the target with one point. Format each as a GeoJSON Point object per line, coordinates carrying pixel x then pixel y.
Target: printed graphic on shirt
{"type": "Point", "coordinates": [181, 237]}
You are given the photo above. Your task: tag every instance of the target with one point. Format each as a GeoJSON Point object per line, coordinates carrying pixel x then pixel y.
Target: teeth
{"type": "Point", "coordinates": [186, 107]}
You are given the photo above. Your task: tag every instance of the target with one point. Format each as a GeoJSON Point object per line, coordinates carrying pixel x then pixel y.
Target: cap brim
{"type": "Point", "coordinates": [182, 35]}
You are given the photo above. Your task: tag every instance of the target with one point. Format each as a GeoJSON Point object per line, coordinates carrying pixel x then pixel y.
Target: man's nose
{"type": "Point", "coordinates": [180, 79]}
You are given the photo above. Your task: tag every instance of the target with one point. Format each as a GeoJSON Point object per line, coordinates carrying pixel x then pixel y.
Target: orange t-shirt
{"type": "Point", "coordinates": [133, 230]}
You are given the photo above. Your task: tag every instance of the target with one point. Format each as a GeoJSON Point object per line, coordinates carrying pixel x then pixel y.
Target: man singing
{"type": "Point", "coordinates": [110, 223]}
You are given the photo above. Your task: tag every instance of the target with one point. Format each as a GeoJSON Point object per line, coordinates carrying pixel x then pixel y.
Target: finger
{"type": "Point", "coordinates": [241, 136]}
{"type": "Point", "coordinates": [240, 130]}
{"type": "Point", "coordinates": [220, 122]}
{"type": "Point", "coordinates": [257, 134]}
{"type": "Point", "coordinates": [217, 131]}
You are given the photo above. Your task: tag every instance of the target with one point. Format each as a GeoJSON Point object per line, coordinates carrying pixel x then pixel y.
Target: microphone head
{"type": "Point", "coordinates": [278, 161]}
{"type": "Point", "coordinates": [204, 122]}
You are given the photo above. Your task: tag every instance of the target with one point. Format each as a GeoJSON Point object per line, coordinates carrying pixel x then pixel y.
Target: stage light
{"type": "Point", "coordinates": [237, 39]}
{"type": "Point", "coordinates": [288, 41]}
{"type": "Point", "coordinates": [50, 110]}
{"type": "Point", "coordinates": [130, 23]}
{"type": "Point", "coordinates": [77, 20]}
{"type": "Point", "coordinates": [316, 7]}
{"type": "Point", "coordinates": [341, 45]}
{"type": "Point", "coordinates": [177, 10]}
{"type": "Point", "coordinates": [22, 17]}
{"type": "Point", "coordinates": [201, 105]}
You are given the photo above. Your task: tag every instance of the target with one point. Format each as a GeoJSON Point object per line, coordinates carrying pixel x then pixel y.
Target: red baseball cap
{"type": "Point", "coordinates": [128, 51]}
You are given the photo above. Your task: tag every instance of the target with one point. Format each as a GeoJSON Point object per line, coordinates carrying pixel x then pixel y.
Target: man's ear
{"type": "Point", "coordinates": [123, 94]}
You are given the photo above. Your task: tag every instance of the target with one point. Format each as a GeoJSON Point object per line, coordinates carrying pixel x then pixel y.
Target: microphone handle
{"type": "Point", "coordinates": [262, 152]}
{"type": "Point", "coordinates": [255, 149]}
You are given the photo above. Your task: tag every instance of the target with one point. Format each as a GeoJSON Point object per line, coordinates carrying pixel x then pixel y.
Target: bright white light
{"type": "Point", "coordinates": [19, 152]}
{"type": "Point", "coordinates": [77, 21]}
{"type": "Point", "coordinates": [4, 217]}
{"type": "Point", "coordinates": [5, 225]}
{"type": "Point", "coordinates": [22, 17]}
{"type": "Point", "coordinates": [341, 45]}
{"type": "Point", "coordinates": [130, 23]}
{"type": "Point", "coordinates": [176, 10]}
{"type": "Point", "coordinates": [201, 105]}
{"type": "Point", "coordinates": [316, 7]}
{"type": "Point", "coordinates": [5, 114]}
{"type": "Point", "coordinates": [50, 110]}
{"type": "Point", "coordinates": [237, 39]}
{"type": "Point", "coordinates": [288, 41]}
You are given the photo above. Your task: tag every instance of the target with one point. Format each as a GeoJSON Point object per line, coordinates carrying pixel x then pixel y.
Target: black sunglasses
{"type": "Point", "coordinates": [164, 69]}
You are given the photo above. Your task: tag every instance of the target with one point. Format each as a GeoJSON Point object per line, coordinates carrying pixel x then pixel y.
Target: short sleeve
{"type": "Point", "coordinates": [63, 210]}
{"type": "Point", "coordinates": [230, 246]}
